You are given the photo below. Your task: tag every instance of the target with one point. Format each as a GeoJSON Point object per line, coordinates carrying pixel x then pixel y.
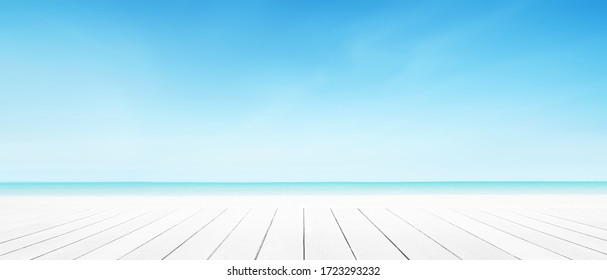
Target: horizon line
{"type": "Point", "coordinates": [314, 182]}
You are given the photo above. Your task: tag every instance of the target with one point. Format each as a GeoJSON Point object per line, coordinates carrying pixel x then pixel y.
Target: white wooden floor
{"type": "Point", "coordinates": [295, 234]}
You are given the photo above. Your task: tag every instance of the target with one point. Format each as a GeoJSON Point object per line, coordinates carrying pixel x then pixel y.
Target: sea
{"type": "Point", "coordinates": [296, 188]}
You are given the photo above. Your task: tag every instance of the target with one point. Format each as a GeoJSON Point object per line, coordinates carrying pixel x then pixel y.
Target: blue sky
{"type": "Point", "coordinates": [303, 90]}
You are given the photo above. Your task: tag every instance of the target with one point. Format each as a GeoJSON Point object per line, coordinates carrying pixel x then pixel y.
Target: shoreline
{"type": "Point", "coordinates": [348, 201]}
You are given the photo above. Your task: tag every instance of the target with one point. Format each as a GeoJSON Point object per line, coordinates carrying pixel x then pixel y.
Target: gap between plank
{"type": "Point", "coordinates": [512, 234]}
{"type": "Point", "coordinates": [474, 235]}
{"type": "Point", "coordinates": [193, 234]}
{"type": "Point", "coordinates": [410, 224]}
{"type": "Point", "coordinates": [342, 233]}
{"type": "Point", "coordinates": [178, 223]}
{"type": "Point", "coordinates": [230, 233]}
{"type": "Point", "coordinates": [386, 236]}
{"type": "Point", "coordinates": [266, 234]}
{"type": "Point", "coordinates": [546, 233]}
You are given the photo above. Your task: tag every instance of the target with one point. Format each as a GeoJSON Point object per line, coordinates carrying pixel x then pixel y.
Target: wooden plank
{"type": "Point", "coordinates": [415, 244]}
{"type": "Point", "coordinates": [35, 250]}
{"type": "Point", "coordinates": [76, 249]}
{"type": "Point", "coordinates": [9, 211]}
{"type": "Point", "coordinates": [18, 215]}
{"type": "Point", "coordinates": [162, 244]}
{"type": "Point", "coordinates": [366, 240]}
{"type": "Point", "coordinates": [246, 240]}
{"type": "Point", "coordinates": [42, 224]}
{"type": "Point", "coordinates": [28, 217]}
{"type": "Point", "coordinates": [587, 241]}
{"type": "Point", "coordinates": [591, 213]}
{"type": "Point", "coordinates": [458, 241]}
{"type": "Point", "coordinates": [122, 246]}
{"type": "Point", "coordinates": [41, 216]}
{"type": "Point", "coordinates": [323, 237]}
{"type": "Point", "coordinates": [577, 227]}
{"type": "Point", "coordinates": [593, 221]}
{"type": "Point", "coordinates": [519, 248]}
{"type": "Point", "coordinates": [285, 237]}
{"type": "Point", "coordinates": [54, 232]}
{"type": "Point", "coordinates": [556, 245]}
{"type": "Point", "coordinates": [203, 243]}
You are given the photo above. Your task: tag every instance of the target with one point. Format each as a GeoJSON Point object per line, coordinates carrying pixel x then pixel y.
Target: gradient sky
{"type": "Point", "coordinates": [303, 90]}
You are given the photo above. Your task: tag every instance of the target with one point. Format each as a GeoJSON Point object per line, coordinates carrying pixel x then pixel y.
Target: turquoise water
{"type": "Point", "coordinates": [342, 188]}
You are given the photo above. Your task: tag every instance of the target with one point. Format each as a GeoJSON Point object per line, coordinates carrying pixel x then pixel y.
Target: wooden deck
{"type": "Point", "coordinates": [305, 233]}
